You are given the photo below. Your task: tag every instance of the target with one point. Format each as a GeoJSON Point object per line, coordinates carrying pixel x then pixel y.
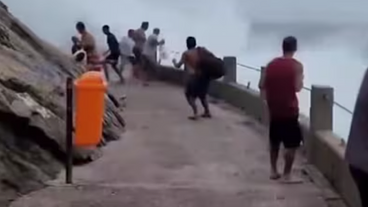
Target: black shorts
{"type": "Point", "coordinates": [112, 58]}
{"type": "Point", "coordinates": [197, 86]}
{"type": "Point", "coordinates": [286, 131]}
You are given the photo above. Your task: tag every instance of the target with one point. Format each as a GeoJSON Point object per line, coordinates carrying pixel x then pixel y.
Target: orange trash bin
{"type": "Point", "coordinates": [90, 107]}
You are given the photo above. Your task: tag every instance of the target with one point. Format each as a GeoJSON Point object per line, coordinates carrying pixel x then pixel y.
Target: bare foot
{"type": "Point", "coordinates": [289, 179]}
{"type": "Point", "coordinates": [275, 176]}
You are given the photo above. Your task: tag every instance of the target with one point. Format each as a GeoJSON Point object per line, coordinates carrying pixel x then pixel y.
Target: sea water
{"type": "Point", "coordinates": [332, 36]}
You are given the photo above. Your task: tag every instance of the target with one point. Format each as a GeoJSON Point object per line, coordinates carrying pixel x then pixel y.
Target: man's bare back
{"type": "Point", "coordinates": [140, 38]}
{"type": "Point", "coordinates": [190, 59]}
{"type": "Point", "coordinates": [89, 45]}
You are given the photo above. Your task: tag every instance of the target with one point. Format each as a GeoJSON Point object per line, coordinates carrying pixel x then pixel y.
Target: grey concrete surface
{"type": "Point", "coordinates": [322, 148]}
{"type": "Point", "coordinates": [166, 160]}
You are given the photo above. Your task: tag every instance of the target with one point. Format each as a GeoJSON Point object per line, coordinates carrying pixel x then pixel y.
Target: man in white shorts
{"type": "Point", "coordinates": [126, 50]}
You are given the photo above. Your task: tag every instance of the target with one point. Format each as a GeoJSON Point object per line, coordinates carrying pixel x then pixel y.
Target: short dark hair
{"type": "Point", "coordinates": [131, 32]}
{"type": "Point", "coordinates": [80, 26]}
{"type": "Point", "coordinates": [156, 30]}
{"type": "Point", "coordinates": [289, 44]}
{"type": "Point", "coordinates": [191, 42]}
{"type": "Point", "coordinates": [106, 27]}
{"type": "Point", "coordinates": [144, 24]}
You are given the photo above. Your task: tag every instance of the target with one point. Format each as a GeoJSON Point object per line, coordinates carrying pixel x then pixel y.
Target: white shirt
{"type": "Point", "coordinates": [126, 46]}
{"type": "Point", "coordinates": [150, 48]}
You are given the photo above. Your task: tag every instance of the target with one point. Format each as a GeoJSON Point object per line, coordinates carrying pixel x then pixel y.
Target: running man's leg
{"type": "Point", "coordinates": [122, 64]}
{"type": "Point", "coordinates": [191, 97]}
{"type": "Point", "coordinates": [113, 60]}
{"type": "Point", "coordinates": [139, 63]}
{"type": "Point", "coordinates": [275, 142]}
{"type": "Point", "coordinates": [106, 72]}
{"type": "Point", "coordinates": [361, 180]}
{"type": "Point", "coordinates": [152, 64]}
{"type": "Point", "coordinates": [117, 71]}
{"type": "Point", "coordinates": [203, 85]}
{"type": "Point", "coordinates": [292, 138]}
{"type": "Point", "coordinates": [146, 69]}
{"type": "Point", "coordinates": [124, 61]}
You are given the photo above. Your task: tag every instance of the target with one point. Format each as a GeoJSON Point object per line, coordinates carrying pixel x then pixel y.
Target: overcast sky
{"type": "Point", "coordinates": [307, 10]}
{"type": "Point", "coordinates": [248, 29]}
{"type": "Point", "coordinates": [55, 19]}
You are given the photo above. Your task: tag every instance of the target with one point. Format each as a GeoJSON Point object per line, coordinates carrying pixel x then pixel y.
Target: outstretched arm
{"type": "Point", "coordinates": [156, 42]}
{"type": "Point", "coordinates": [181, 62]}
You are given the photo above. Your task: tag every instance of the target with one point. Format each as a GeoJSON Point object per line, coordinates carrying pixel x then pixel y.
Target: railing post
{"type": "Point", "coordinates": [69, 131]}
{"type": "Point", "coordinates": [321, 108]}
{"type": "Point", "coordinates": [265, 114]}
{"type": "Point", "coordinates": [230, 66]}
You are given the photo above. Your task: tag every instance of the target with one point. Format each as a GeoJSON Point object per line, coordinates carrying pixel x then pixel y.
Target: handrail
{"type": "Point", "coordinates": [344, 108]}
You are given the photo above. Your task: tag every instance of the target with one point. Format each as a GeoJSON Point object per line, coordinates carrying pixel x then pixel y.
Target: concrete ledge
{"type": "Point", "coordinates": [326, 152]}
{"type": "Point", "coordinates": [171, 75]}
{"type": "Point", "coordinates": [323, 149]}
{"type": "Point", "coordinates": [241, 97]}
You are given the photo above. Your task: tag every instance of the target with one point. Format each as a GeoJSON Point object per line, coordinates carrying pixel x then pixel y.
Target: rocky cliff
{"type": "Point", "coordinates": [32, 109]}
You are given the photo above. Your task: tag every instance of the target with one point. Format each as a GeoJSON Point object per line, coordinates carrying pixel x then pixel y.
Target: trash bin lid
{"type": "Point", "coordinates": [91, 78]}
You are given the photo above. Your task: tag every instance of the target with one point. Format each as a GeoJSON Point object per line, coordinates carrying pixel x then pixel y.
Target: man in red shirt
{"type": "Point", "coordinates": [279, 85]}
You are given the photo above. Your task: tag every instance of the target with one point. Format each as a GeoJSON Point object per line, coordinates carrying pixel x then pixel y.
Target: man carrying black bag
{"type": "Point", "coordinates": [202, 67]}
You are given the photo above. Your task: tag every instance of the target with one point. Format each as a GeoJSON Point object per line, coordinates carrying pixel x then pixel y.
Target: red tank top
{"type": "Point", "coordinates": [280, 87]}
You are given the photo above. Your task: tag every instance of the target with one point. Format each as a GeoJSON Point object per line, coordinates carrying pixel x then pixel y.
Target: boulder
{"type": "Point", "coordinates": [32, 109]}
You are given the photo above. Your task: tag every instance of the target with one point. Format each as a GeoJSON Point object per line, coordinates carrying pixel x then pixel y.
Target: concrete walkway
{"type": "Point", "coordinates": [166, 160]}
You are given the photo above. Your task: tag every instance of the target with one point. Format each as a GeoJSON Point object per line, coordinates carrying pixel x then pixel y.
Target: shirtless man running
{"type": "Point", "coordinates": [140, 40]}
{"type": "Point", "coordinates": [197, 85]}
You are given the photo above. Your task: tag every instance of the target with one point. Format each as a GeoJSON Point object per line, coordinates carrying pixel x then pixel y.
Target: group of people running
{"type": "Point", "coordinates": [279, 84]}
{"type": "Point", "coordinates": [134, 49]}
{"type": "Point", "coordinates": [140, 52]}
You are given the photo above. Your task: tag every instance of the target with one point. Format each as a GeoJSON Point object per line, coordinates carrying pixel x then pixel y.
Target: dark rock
{"type": "Point", "coordinates": [32, 110]}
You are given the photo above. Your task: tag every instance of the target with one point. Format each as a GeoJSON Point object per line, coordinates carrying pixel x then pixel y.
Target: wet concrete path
{"type": "Point", "coordinates": [166, 160]}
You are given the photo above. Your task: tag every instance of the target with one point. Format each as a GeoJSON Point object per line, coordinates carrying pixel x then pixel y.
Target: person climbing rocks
{"type": "Point", "coordinates": [112, 55]}
{"type": "Point", "coordinates": [150, 51]}
{"type": "Point", "coordinates": [357, 145]}
{"type": "Point", "coordinates": [126, 51]}
{"type": "Point", "coordinates": [281, 81]}
{"type": "Point", "coordinates": [140, 39]}
{"type": "Point", "coordinates": [76, 45]}
{"type": "Point", "coordinates": [197, 84]}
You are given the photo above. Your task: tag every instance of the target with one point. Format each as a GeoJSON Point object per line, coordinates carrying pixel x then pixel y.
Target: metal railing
{"type": "Point", "coordinates": [342, 107]}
